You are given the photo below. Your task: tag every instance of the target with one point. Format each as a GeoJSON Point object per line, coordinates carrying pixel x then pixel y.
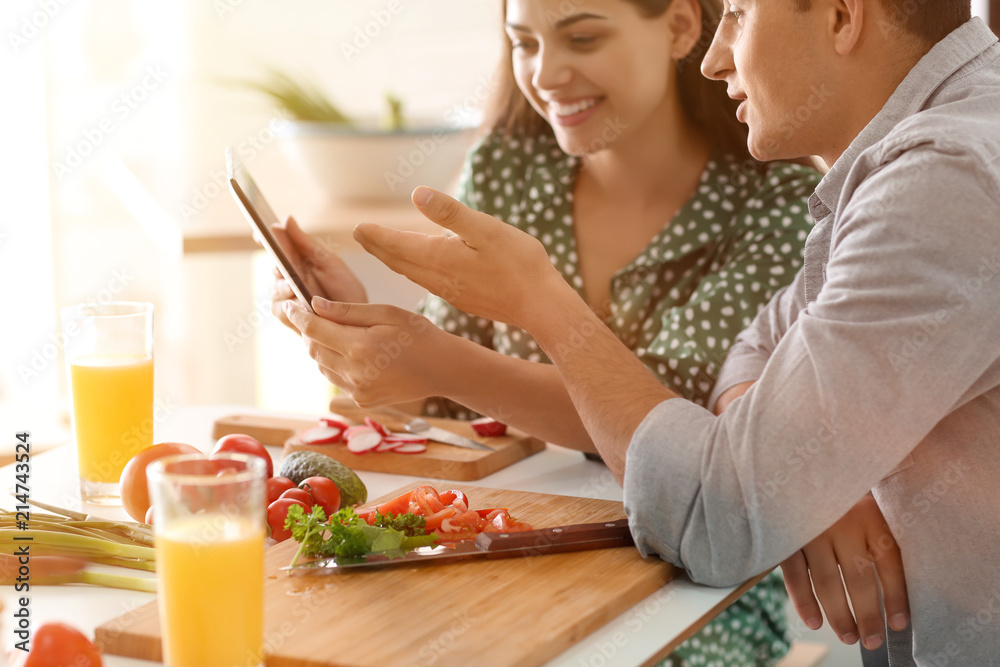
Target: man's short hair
{"type": "Point", "coordinates": [928, 20]}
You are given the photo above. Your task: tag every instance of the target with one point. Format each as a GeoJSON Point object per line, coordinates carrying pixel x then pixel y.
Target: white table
{"type": "Point", "coordinates": [634, 638]}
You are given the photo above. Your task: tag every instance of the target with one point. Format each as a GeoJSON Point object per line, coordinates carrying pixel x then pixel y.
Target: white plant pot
{"type": "Point", "coordinates": [366, 164]}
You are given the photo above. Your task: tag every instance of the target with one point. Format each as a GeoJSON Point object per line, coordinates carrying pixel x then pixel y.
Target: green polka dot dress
{"type": "Point", "coordinates": [678, 305]}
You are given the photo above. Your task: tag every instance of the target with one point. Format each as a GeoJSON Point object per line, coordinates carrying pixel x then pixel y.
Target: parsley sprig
{"type": "Point", "coordinates": [348, 537]}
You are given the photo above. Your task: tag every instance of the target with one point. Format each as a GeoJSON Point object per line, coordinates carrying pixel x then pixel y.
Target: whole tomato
{"type": "Point", "coordinates": [324, 492]}
{"type": "Point", "coordinates": [276, 486]}
{"type": "Point", "coordinates": [61, 645]}
{"type": "Point", "coordinates": [133, 486]}
{"type": "Point", "coordinates": [299, 494]}
{"type": "Point", "coordinates": [276, 513]}
{"type": "Point", "coordinates": [238, 442]}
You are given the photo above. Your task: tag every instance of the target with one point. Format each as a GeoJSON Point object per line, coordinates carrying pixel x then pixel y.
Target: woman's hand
{"type": "Point", "coordinates": [378, 354]}
{"type": "Point", "coordinates": [324, 273]}
{"type": "Point", "coordinates": [847, 555]}
{"type": "Point", "coordinates": [490, 268]}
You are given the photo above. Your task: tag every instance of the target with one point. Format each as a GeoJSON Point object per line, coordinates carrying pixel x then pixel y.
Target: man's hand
{"type": "Point", "coordinates": [324, 273]}
{"type": "Point", "coordinates": [496, 271]}
{"type": "Point", "coordinates": [847, 555]}
{"type": "Point", "coordinates": [490, 268]}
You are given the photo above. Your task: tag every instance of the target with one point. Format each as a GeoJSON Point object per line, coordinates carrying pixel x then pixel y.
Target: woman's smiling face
{"type": "Point", "coordinates": [598, 71]}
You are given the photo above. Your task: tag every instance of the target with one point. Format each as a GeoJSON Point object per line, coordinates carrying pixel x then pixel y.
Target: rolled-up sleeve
{"type": "Point", "coordinates": [901, 333]}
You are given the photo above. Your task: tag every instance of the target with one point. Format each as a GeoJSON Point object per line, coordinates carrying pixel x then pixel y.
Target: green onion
{"type": "Point", "coordinates": [63, 542]}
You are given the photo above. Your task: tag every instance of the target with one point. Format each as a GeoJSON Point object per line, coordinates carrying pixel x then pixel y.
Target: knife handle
{"type": "Point", "coordinates": [579, 537]}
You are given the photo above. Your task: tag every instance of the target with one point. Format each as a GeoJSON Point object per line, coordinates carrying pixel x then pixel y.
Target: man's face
{"type": "Point", "coordinates": [770, 55]}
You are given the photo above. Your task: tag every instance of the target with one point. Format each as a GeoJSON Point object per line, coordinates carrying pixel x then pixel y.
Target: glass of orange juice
{"type": "Point", "coordinates": [109, 352]}
{"type": "Point", "coordinates": [208, 519]}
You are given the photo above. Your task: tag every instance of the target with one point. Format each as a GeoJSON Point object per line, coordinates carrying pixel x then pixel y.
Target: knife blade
{"type": "Point", "coordinates": [437, 434]}
{"type": "Point", "coordinates": [559, 539]}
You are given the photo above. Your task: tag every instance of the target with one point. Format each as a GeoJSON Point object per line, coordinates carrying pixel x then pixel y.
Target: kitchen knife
{"type": "Point", "coordinates": [578, 537]}
{"type": "Point", "coordinates": [421, 427]}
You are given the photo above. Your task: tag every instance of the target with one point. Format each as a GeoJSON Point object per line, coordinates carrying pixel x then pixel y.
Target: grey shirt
{"type": "Point", "coordinates": [877, 369]}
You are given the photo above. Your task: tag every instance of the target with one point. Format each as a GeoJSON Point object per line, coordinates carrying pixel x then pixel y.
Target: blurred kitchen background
{"type": "Point", "coordinates": [116, 115]}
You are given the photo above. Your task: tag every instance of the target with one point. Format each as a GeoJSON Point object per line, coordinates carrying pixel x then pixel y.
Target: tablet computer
{"type": "Point", "coordinates": [260, 216]}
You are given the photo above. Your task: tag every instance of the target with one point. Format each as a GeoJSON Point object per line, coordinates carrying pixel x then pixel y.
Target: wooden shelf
{"type": "Point", "coordinates": [222, 228]}
{"type": "Point", "coordinates": [207, 220]}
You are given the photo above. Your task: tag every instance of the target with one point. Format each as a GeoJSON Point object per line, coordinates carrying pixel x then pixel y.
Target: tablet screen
{"type": "Point", "coordinates": [260, 216]}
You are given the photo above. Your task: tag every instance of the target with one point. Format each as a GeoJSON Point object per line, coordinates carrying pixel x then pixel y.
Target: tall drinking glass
{"type": "Point", "coordinates": [208, 519]}
{"type": "Point", "coordinates": [109, 352]}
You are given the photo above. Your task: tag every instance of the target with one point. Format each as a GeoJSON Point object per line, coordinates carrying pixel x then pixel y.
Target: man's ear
{"type": "Point", "coordinates": [847, 19]}
{"type": "Point", "coordinates": [684, 20]}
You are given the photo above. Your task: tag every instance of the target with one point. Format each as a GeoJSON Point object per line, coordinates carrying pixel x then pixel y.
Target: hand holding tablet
{"type": "Point", "coordinates": [262, 219]}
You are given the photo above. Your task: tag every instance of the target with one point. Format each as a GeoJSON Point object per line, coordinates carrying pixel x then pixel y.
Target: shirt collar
{"type": "Point", "coordinates": [941, 62]}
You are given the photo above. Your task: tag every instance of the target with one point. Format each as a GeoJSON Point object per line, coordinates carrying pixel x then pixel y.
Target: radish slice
{"type": "Point", "coordinates": [351, 430]}
{"type": "Point", "coordinates": [321, 435]}
{"type": "Point", "coordinates": [387, 445]}
{"type": "Point", "coordinates": [362, 441]}
{"type": "Point", "coordinates": [489, 427]}
{"type": "Point", "coordinates": [411, 448]}
{"type": "Point", "coordinates": [375, 425]}
{"type": "Point", "coordinates": [334, 421]}
{"type": "Point", "coordinates": [406, 437]}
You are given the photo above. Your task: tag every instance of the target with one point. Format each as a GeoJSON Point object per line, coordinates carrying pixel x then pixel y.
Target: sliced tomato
{"type": "Point", "coordinates": [432, 522]}
{"type": "Point", "coordinates": [462, 526]}
{"type": "Point", "coordinates": [427, 499]}
{"type": "Point", "coordinates": [447, 514]}
{"type": "Point", "coordinates": [501, 522]}
{"type": "Point", "coordinates": [367, 513]}
{"type": "Point", "coordinates": [398, 505]}
{"type": "Point", "coordinates": [456, 498]}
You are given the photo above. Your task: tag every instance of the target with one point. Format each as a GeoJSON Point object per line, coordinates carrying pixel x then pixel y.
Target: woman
{"type": "Point", "coordinates": [609, 146]}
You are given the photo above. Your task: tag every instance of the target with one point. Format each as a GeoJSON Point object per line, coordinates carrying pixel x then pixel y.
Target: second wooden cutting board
{"type": "Point", "coordinates": [511, 612]}
{"type": "Point", "coordinates": [439, 461]}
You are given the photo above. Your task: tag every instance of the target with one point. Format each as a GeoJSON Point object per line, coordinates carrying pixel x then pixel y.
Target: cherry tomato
{"type": "Point", "coordinates": [276, 486]}
{"type": "Point", "coordinates": [276, 513]}
{"type": "Point", "coordinates": [324, 492]}
{"type": "Point", "coordinates": [134, 490]}
{"type": "Point", "coordinates": [299, 494]}
{"type": "Point", "coordinates": [238, 442]}
{"type": "Point", "coordinates": [62, 645]}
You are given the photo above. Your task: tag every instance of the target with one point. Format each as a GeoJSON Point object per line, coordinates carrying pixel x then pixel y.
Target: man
{"type": "Point", "coordinates": [877, 370]}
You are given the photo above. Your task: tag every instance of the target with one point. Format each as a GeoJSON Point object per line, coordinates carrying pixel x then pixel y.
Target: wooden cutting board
{"type": "Point", "coordinates": [440, 461]}
{"type": "Point", "coordinates": [515, 611]}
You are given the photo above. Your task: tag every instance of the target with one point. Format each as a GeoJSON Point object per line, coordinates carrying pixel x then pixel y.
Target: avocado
{"type": "Point", "coordinates": [301, 465]}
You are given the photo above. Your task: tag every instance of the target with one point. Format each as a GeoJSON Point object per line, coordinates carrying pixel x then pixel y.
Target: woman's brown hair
{"type": "Point", "coordinates": [705, 101]}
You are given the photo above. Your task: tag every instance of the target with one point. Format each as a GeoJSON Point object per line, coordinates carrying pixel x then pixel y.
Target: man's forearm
{"type": "Point", "coordinates": [611, 389]}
